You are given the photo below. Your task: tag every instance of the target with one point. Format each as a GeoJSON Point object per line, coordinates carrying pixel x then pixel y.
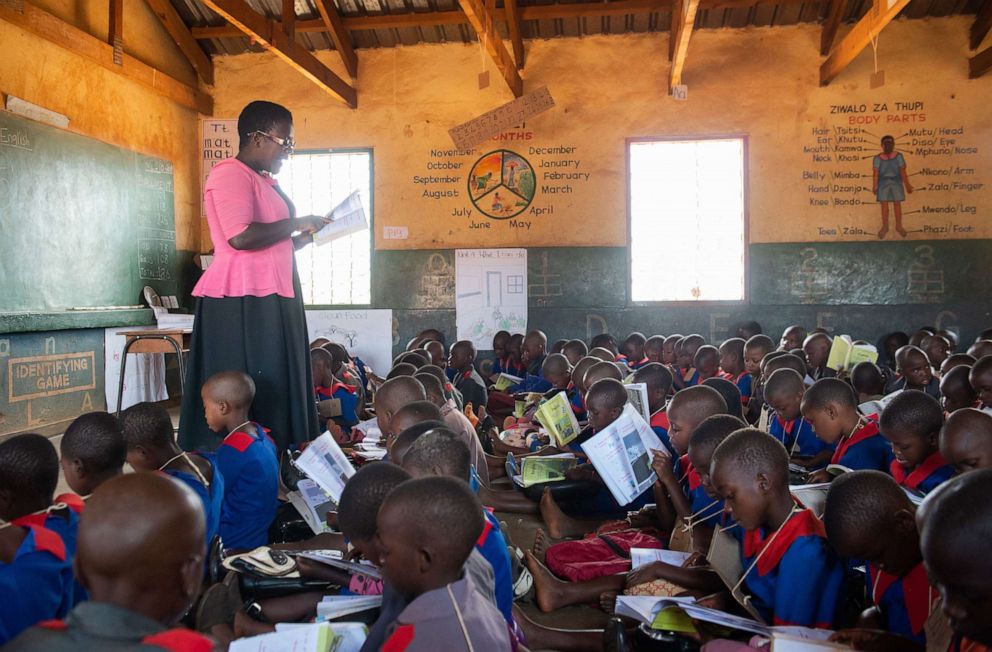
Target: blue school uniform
{"type": "Point", "coordinates": [251, 487]}
{"type": "Point", "coordinates": [797, 579]}
{"type": "Point", "coordinates": [348, 396]}
{"type": "Point", "coordinates": [899, 383]}
{"type": "Point", "coordinates": [865, 449]}
{"type": "Point", "coordinates": [64, 523]}
{"type": "Point", "coordinates": [531, 383]}
{"type": "Point", "coordinates": [682, 381]}
{"type": "Point", "coordinates": [37, 583]}
{"type": "Point", "coordinates": [577, 402]}
{"type": "Point", "coordinates": [797, 436]}
{"type": "Point", "coordinates": [904, 602]}
{"type": "Point", "coordinates": [492, 546]}
{"type": "Point", "coordinates": [212, 497]}
{"type": "Point", "coordinates": [358, 366]}
{"type": "Point", "coordinates": [660, 425]}
{"type": "Point", "coordinates": [745, 384]}
{"type": "Point", "coordinates": [926, 477]}
{"type": "Point", "coordinates": [705, 510]}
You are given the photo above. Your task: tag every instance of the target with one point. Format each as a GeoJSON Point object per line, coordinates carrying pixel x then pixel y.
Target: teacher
{"type": "Point", "coordinates": [249, 309]}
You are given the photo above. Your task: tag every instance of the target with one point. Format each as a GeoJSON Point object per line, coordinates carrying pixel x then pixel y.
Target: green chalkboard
{"type": "Point", "coordinates": [84, 223]}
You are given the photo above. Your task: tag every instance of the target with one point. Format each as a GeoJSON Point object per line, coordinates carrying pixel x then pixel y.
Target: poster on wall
{"type": "Point", "coordinates": [490, 293]}
{"type": "Point", "coordinates": [144, 378]}
{"type": "Point", "coordinates": [365, 333]}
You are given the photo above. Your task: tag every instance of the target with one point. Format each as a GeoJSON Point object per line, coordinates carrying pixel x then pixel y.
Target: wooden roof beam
{"type": "Point", "coordinates": [881, 14]}
{"type": "Point", "coordinates": [835, 14]}
{"type": "Point", "coordinates": [980, 64]}
{"type": "Point", "coordinates": [271, 36]}
{"type": "Point", "coordinates": [980, 28]}
{"type": "Point", "coordinates": [332, 22]}
{"type": "Point", "coordinates": [177, 29]}
{"type": "Point", "coordinates": [44, 25]}
{"type": "Point", "coordinates": [684, 22]}
{"type": "Point", "coordinates": [513, 27]}
{"type": "Point", "coordinates": [484, 23]}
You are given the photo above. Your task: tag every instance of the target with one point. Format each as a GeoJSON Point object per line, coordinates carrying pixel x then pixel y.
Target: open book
{"type": "Point", "coordinates": [621, 454]}
{"type": "Point", "coordinates": [325, 463]}
{"type": "Point", "coordinates": [312, 503]}
{"type": "Point", "coordinates": [317, 637]}
{"type": "Point", "coordinates": [346, 218]}
{"type": "Point", "coordinates": [844, 354]}
{"type": "Point", "coordinates": [557, 417]}
{"type": "Point", "coordinates": [637, 395]}
{"type": "Point", "coordinates": [335, 559]}
{"type": "Point", "coordinates": [643, 556]}
{"type": "Point", "coordinates": [536, 469]}
{"type": "Point", "coordinates": [505, 381]}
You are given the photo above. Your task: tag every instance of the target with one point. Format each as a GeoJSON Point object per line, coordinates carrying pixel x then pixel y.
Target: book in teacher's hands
{"type": "Point", "coordinates": [844, 353]}
{"type": "Point", "coordinates": [558, 418]}
{"type": "Point", "coordinates": [346, 218]}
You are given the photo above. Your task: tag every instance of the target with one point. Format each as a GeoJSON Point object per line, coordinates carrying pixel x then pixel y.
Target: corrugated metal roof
{"type": "Point", "coordinates": [712, 14]}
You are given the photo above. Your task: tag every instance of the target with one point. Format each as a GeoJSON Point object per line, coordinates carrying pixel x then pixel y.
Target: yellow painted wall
{"type": "Point", "coordinates": [762, 83]}
{"type": "Point", "coordinates": [106, 106]}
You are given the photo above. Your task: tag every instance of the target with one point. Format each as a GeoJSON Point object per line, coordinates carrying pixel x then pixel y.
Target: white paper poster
{"type": "Point", "coordinates": [365, 333]}
{"type": "Point", "coordinates": [218, 141]}
{"type": "Point", "coordinates": [490, 293]}
{"type": "Point", "coordinates": [144, 378]}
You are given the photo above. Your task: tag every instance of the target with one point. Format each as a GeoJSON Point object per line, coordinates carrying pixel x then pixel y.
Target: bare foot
{"type": "Point", "coordinates": [541, 543]}
{"type": "Point", "coordinates": [554, 518]}
{"type": "Point", "coordinates": [901, 231]}
{"type": "Point", "coordinates": [608, 601]}
{"type": "Point", "coordinates": [547, 587]}
{"type": "Point", "coordinates": [881, 234]}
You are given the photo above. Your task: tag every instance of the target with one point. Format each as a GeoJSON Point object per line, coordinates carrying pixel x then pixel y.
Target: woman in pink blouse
{"type": "Point", "coordinates": [249, 312]}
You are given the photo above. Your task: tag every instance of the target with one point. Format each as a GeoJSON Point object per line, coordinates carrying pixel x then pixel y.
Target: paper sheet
{"type": "Point", "coordinates": [347, 217]}
{"type": "Point", "coordinates": [365, 333]}
{"type": "Point", "coordinates": [490, 294]}
{"type": "Point", "coordinates": [642, 556]}
{"type": "Point", "coordinates": [312, 638]}
{"type": "Point", "coordinates": [325, 463]}
{"type": "Point", "coordinates": [145, 374]}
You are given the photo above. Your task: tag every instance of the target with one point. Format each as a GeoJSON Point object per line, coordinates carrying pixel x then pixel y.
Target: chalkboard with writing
{"type": "Point", "coordinates": [85, 224]}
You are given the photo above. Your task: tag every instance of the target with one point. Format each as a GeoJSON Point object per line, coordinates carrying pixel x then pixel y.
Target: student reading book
{"type": "Point", "coordinates": [557, 417]}
{"type": "Point", "coordinates": [844, 353]}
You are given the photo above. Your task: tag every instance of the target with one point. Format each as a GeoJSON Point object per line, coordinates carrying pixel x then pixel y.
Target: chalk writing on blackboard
{"type": "Point", "coordinates": [437, 285]}
{"type": "Point", "coordinates": [491, 123]}
{"type": "Point", "coordinates": [546, 284]}
{"type": "Point", "coordinates": [595, 325]}
{"type": "Point", "coordinates": [156, 255]}
{"type": "Point", "coordinates": [924, 278]}
{"type": "Point", "coordinates": [806, 283]}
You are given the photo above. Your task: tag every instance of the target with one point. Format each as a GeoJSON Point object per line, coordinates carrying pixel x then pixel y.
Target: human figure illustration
{"type": "Point", "coordinates": [890, 183]}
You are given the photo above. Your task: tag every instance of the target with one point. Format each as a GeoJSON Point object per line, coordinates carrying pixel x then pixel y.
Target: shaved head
{"type": "Point", "coordinates": [399, 391]}
{"type": "Point", "coordinates": [236, 388]}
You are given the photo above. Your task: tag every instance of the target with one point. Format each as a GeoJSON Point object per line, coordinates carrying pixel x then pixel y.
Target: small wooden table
{"type": "Point", "coordinates": [175, 340]}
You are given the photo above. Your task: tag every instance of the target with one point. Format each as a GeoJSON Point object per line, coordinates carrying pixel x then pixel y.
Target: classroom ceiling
{"type": "Point", "coordinates": [388, 23]}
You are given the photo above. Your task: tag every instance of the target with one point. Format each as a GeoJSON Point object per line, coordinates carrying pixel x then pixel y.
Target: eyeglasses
{"type": "Point", "coordinates": [287, 144]}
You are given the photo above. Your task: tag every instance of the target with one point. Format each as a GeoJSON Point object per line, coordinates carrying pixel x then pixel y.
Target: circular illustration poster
{"type": "Point", "coordinates": [501, 184]}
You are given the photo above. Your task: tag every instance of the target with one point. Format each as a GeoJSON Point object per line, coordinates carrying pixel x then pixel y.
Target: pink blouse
{"type": "Point", "coordinates": [234, 197]}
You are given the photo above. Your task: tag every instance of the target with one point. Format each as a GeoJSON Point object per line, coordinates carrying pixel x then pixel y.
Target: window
{"type": "Point", "coordinates": [339, 272]}
{"type": "Point", "coordinates": [687, 228]}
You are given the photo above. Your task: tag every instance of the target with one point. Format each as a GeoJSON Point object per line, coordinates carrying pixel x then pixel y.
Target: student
{"type": "Point", "coordinates": [748, 329]}
{"type": "Point", "coordinates": [327, 387]}
{"type": "Point", "coordinates": [831, 407]}
{"type": "Point", "coordinates": [533, 357]}
{"type": "Point", "coordinates": [784, 394]}
{"type": "Point", "coordinates": [707, 362]}
{"type": "Point", "coordinates": [954, 541]}
{"type": "Point", "coordinates": [733, 369]}
{"type": "Point", "coordinates": [755, 350]}
{"type": "Point", "coordinates": [966, 440]}
{"type": "Point", "coordinates": [980, 378]}
{"type": "Point", "coordinates": [911, 422]}
{"type": "Point", "coordinates": [467, 380]}
{"type": "Point", "coordinates": [393, 395]}
{"type": "Point", "coordinates": [35, 565]}
{"type": "Point", "coordinates": [658, 380]}
{"type": "Point", "coordinates": [914, 372]}
{"type": "Point", "coordinates": [459, 424]}
{"type": "Point", "coordinates": [141, 556]}
{"type": "Point", "coordinates": [869, 383]}
{"type": "Point", "coordinates": [632, 351]}
{"type": "Point", "coordinates": [575, 350]}
{"type": "Point", "coordinates": [730, 394]}
{"type": "Point", "coordinates": [500, 340]}
{"type": "Point", "coordinates": [793, 338]}
{"type": "Point", "coordinates": [427, 529]}
{"type": "Point", "coordinates": [514, 354]}
{"type": "Point", "coordinates": [601, 370]}
{"type": "Point", "coordinates": [408, 416]}
{"type": "Point", "coordinates": [246, 459]}
{"type": "Point", "coordinates": [790, 573]}
{"type": "Point", "coordinates": [869, 518]}
{"type": "Point", "coordinates": [686, 375]}
{"type": "Point", "coordinates": [816, 348]}
{"type": "Point", "coordinates": [403, 369]}
{"type": "Point", "coordinates": [151, 446]}
{"type": "Point", "coordinates": [654, 349]}
{"type": "Point", "coordinates": [956, 360]}
{"type": "Point", "coordinates": [436, 352]}
{"type": "Point", "coordinates": [557, 372]}
{"type": "Point", "coordinates": [936, 348]}
{"type": "Point", "coordinates": [93, 451]}
{"type": "Point", "coordinates": [441, 453]}
{"type": "Point", "coordinates": [980, 349]}
{"type": "Point", "coordinates": [668, 350]}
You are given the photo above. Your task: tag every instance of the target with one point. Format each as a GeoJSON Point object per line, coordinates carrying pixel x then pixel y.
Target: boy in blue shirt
{"type": "Point", "coordinates": [327, 387]}
{"type": "Point", "coordinates": [246, 458]}
{"type": "Point", "coordinates": [966, 440]}
{"type": "Point", "coordinates": [632, 351]}
{"type": "Point", "coordinates": [533, 354]}
{"type": "Point", "coordinates": [574, 350]}
{"type": "Point", "coordinates": [831, 406]}
{"type": "Point", "coordinates": [869, 518]}
{"type": "Point", "coordinates": [467, 380]}
{"type": "Point", "coordinates": [732, 367]}
{"type": "Point", "coordinates": [911, 422]}
{"type": "Point", "coordinates": [914, 371]}
{"type": "Point", "coordinates": [151, 446]}
{"type": "Point", "coordinates": [784, 394]}
{"type": "Point", "coordinates": [659, 383]}
{"type": "Point", "coordinates": [35, 567]}
{"type": "Point", "coordinates": [791, 574]}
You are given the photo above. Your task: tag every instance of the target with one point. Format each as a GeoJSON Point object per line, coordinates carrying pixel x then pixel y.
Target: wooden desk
{"type": "Point", "coordinates": [174, 340]}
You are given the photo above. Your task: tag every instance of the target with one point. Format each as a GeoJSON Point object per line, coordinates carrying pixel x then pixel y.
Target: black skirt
{"type": "Point", "coordinates": [266, 337]}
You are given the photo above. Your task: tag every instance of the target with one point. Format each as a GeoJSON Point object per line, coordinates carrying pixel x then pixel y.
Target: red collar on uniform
{"type": "Point", "coordinates": [45, 540]}
{"type": "Point", "coordinates": [691, 474]}
{"type": "Point", "coordinates": [800, 524]}
{"type": "Point", "coordinates": [72, 501]}
{"type": "Point", "coordinates": [467, 373]}
{"type": "Point", "coordinates": [351, 389]}
{"type": "Point", "coordinates": [913, 479]}
{"type": "Point", "coordinates": [659, 419]}
{"type": "Point", "coordinates": [723, 374]}
{"type": "Point", "coordinates": [400, 639]}
{"type": "Point", "coordinates": [863, 433]}
{"type": "Point", "coordinates": [916, 591]}
{"type": "Point", "coordinates": [786, 425]}
{"type": "Point", "coordinates": [180, 640]}
{"type": "Point", "coordinates": [240, 441]}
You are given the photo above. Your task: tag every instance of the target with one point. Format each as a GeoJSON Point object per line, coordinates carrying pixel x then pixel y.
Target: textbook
{"type": "Point", "coordinates": [505, 381]}
{"type": "Point", "coordinates": [325, 463]}
{"type": "Point", "coordinates": [335, 559]}
{"type": "Point", "coordinates": [536, 469]}
{"type": "Point", "coordinates": [637, 395]}
{"type": "Point", "coordinates": [622, 453]}
{"type": "Point", "coordinates": [350, 636]}
{"type": "Point", "coordinates": [643, 556]}
{"type": "Point", "coordinates": [811, 496]}
{"type": "Point", "coordinates": [317, 637]}
{"type": "Point", "coordinates": [338, 606]}
{"type": "Point", "coordinates": [557, 417]}
{"type": "Point", "coordinates": [844, 354]}
{"type": "Point", "coordinates": [346, 218]}
{"type": "Point", "coordinates": [312, 503]}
